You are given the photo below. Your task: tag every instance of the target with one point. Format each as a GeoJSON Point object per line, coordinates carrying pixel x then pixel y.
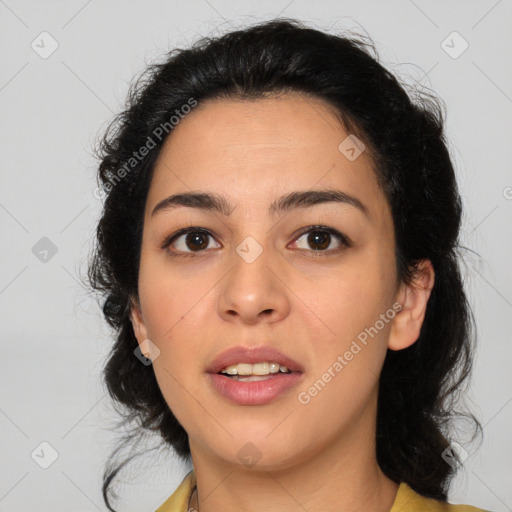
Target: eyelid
{"type": "Point", "coordinates": [344, 239]}
{"type": "Point", "coordinates": [194, 229]}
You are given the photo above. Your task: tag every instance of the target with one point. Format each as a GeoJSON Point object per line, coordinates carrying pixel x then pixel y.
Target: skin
{"type": "Point", "coordinates": [320, 455]}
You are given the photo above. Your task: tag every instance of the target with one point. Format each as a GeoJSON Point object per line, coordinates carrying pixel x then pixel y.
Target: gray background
{"type": "Point", "coordinates": [54, 340]}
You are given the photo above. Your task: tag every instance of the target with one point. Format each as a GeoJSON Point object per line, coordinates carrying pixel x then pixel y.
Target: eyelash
{"type": "Point", "coordinates": [345, 242]}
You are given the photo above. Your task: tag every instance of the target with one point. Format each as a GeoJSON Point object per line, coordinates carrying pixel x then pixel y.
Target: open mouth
{"type": "Point", "coordinates": [247, 372]}
{"type": "Point", "coordinates": [254, 384]}
{"type": "Point", "coordinates": [250, 378]}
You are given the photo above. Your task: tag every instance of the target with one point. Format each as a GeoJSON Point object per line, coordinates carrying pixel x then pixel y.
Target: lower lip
{"type": "Point", "coordinates": [257, 392]}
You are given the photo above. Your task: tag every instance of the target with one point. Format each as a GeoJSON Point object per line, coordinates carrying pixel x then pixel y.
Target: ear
{"type": "Point", "coordinates": [137, 320]}
{"type": "Point", "coordinates": [413, 297]}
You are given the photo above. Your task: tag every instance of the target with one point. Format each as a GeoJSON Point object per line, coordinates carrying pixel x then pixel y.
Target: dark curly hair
{"type": "Point", "coordinates": [403, 131]}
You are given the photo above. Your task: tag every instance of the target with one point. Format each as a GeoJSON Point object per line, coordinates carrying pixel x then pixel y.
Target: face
{"type": "Point", "coordinates": [323, 295]}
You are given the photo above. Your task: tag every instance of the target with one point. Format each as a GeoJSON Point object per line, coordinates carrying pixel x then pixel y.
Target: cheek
{"type": "Point", "coordinates": [172, 305]}
{"type": "Point", "coordinates": [356, 306]}
{"type": "Point", "coordinates": [176, 307]}
{"type": "Point", "coordinates": [347, 363]}
{"type": "Point", "coordinates": [351, 299]}
{"type": "Point", "coordinates": [167, 296]}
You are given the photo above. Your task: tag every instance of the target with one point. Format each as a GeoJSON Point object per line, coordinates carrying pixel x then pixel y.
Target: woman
{"type": "Point", "coordinates": [278, 254]}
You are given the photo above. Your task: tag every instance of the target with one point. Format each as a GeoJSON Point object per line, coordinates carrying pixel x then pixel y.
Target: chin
{"type": "Point", "coordinates": [260, 453]}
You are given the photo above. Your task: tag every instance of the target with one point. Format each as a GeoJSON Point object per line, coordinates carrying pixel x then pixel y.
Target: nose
{"type": "Point", "coordinates": [254, 291]}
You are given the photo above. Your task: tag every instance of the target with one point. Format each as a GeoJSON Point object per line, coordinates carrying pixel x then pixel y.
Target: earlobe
{"type": "Point", "coordinates": [413, 297]}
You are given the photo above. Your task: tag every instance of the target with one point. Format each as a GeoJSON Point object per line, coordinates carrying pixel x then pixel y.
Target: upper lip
{"type": "Point", "coordinates": [252, 355]}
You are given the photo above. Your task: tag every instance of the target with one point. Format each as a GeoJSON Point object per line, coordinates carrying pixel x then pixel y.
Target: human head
{"type": "Point", "coordinates": [406, 144]}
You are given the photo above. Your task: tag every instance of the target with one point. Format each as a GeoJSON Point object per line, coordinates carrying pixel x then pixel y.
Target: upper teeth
{"type": "Point", "coordinates": [254, 369]}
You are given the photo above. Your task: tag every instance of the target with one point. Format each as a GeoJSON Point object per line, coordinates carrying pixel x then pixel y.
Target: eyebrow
{"type": "Point", "coordinates": [299, 199]}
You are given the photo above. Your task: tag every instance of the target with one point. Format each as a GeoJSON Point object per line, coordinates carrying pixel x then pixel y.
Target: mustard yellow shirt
{"type": "Point", "coordinates": [406, 500]}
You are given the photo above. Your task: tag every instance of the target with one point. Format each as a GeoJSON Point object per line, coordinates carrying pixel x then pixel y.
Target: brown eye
{"type": "Point", "coordinates": [192, 240]}
{"type": "Point", "coordinates": [319, 239]}
{"type": "Point", "coordinates": [196, 240]}
{"type": "Point", "coordinates": [189, 240]}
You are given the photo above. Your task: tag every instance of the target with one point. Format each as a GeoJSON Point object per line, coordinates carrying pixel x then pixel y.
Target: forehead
{"type": "Point", "coordinates": [256, 150]}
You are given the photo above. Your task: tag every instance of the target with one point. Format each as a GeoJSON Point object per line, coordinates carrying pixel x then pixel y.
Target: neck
{"type": "Point", "coordinates": [343, 477]}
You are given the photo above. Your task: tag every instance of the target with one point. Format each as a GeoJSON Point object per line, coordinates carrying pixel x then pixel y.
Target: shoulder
{"type": "Point", "coordinates": [179, 500]}
{"type": "Point", "coordinates": [408, 500]}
